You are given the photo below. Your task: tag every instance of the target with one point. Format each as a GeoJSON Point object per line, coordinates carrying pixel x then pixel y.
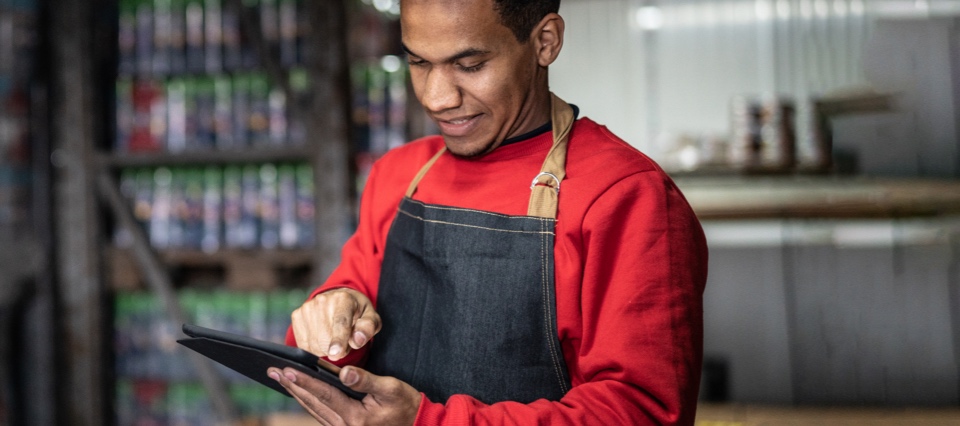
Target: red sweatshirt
{"type": "Point", "coordinates": [630, 269]}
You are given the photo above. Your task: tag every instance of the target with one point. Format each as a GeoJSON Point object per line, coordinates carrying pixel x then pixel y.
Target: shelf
{"type": "Point", "coordinates": [254, 269]}
{"type": "Point", "coordinates": [773, 197]}
{"type": "Point", "coordinates": [212, 157]}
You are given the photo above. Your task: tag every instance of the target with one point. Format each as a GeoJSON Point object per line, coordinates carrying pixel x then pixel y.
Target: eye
{"type": "Point", "coordinates": [472, 68]}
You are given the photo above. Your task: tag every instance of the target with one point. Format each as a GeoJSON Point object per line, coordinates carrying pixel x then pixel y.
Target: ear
{"type": "Point", "coordinates": [548, 39]}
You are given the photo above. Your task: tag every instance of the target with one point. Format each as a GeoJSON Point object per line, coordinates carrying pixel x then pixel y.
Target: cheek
{"type": "Point", "coordinates": [495, 91]}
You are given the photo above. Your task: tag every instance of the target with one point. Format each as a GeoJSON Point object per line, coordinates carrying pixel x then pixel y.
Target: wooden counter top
{"type": "Point", "coordinates": [768, 197]}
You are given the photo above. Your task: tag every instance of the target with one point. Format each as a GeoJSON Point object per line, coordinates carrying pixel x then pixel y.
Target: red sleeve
{"type": "Point", "coordinates": [359, 267]}
{"type": "Point", "coordinates": [637, 352]}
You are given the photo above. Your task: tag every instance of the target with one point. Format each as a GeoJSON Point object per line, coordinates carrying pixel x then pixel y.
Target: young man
{"type": "Point", "coordinates": [523, 267]}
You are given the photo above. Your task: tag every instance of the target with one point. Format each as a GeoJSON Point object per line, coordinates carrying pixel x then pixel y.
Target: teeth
{"type": "Point", "coordinates": [458, 121]}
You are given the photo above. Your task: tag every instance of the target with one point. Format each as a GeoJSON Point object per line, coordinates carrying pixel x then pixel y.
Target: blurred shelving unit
{"type": "Point", "coordinates": [164, 109]}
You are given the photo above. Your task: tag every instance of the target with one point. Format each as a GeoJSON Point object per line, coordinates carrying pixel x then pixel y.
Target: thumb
{"type": "Point", "coordinates": [366, 382]}
{"type": "Point", "coordinates": [358, 379]}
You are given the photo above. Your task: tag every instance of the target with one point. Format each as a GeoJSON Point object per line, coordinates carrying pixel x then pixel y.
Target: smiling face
{"type": "Point", "coordinates": [475, 80]}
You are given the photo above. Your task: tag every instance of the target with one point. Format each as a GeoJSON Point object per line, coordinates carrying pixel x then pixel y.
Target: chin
{"type": "Point", "coordinates": [468, 149]}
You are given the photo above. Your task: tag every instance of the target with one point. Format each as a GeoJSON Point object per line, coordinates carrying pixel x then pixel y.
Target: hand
{"type": "Point", "coordinates": [334, 322]}
{"type": "Point", "coordinates": [388, 402]}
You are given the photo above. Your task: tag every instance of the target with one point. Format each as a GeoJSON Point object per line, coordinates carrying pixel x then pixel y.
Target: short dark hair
{"type": "Point", "coordinates": [520, 16]}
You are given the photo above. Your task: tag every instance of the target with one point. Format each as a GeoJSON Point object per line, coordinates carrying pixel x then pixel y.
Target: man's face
{"type": "Point", "coordinates": [469, 72]}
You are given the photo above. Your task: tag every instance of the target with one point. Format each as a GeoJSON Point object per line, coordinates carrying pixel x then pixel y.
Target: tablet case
{"type": "Point", "coordinates": [252, 357]}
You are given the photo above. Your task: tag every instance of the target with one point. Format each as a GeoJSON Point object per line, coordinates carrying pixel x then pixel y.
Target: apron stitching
{"type": "Point", "coordinates": [544, 282]}
{"type": "Point", "coordinates": [471, 226]}
{"type": "Point", "coordinates": [460, 209]}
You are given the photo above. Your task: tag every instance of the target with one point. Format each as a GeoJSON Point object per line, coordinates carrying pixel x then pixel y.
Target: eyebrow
{"type": "Point", "coordinates": [466, 53]}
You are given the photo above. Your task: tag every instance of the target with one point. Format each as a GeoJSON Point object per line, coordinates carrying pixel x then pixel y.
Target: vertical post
{"type": "Point", "coordinates": [328, 124]}
{"type": "Point", "coordinates": [83, 380]}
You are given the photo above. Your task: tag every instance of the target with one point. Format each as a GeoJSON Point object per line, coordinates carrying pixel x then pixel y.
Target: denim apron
{"type": "Point", "coordinates": [467, 296]}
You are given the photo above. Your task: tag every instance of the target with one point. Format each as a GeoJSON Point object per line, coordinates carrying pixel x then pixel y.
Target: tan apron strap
{"type": "Point", "coordinates": [545, 188]}
{"type": "Point", "coordinates": [423, 171]}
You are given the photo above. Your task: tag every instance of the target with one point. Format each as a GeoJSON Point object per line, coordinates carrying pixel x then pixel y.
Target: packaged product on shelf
{"type": "Point", "coordinates": [194, 36]}
{"type": "Point", "coordinates": [231, 37]}
{"type": "Point", "coordinates": [270, 25]}
{"type": "Point", "coordinates": [127, 38]}
{"type": "Point", "coordinates": [377, 109]}
{"type": "Point", "coordinates": [125, 403]}
{"type": "Point", "coordinates": [223, 112]}
{"type": "Point", "coordinates": [296, 119]}
{"type": "Point", "coordinates": [179, 214]}
{"type": "Point", "coordinates": [212, 209]}
{"type": "Point", "coordinates": [191, 114]}
{"type": "Point", "coordinates": [281, 304]}
{"type": "Point", "coordinates": [162, 208]}
{"type": "Point", "coordinates": [212, 37]}
{"type": "Point", "coordinates": [177, 115]}
{"type": "Point", "coordinates": [149, 402]}
{"type": "Point", "coordinates": [278, 117]}
{"type": "Point", "coordinates": [143, 199]}
{"type": "Point", "coordinates": [248, 49]}
{"type": "Point", "coordinates": [189, 404]}
{"type": "Point", "coordinates": [162, 34]}
{"type": "Point", "coordinates": [241, 110]}
{"type": "Point", "coordinates": [269, 208]}
{"type": "Point", "coordinates": [306, 210]}
{"type": "Point", "coordinates": [144, 36]}
{"type": "Point", "coordinates": [287, 202]}
{"type": "Point", "coordinates": [303, 30]}
{"type": "Point", "coordinates": [259, 315]}
{"type": "Point", "coordinates": [124, 114]}
{"type": "Point", "coordinates": [360, 115]}
{"type": "Point", "coordinates": [149, 117]}
{"type": "Point", "coordinates": [259, 121]}
{"type": "Point", "coordinates": [178, 37]}
{"type": "Point", "coordinates": [124, 345]}
{"type": "Point", "coordinates": [194, 218]}
{"type": "Point", "coordinates": [289, 32]}
{"type": "Point", "coordinates": [128, 188]}
{"type": "Point", "coordinates": [250, 207]}
{"type": "Point", "coordinates": [232, 206]}
{"type": "Point", "coordinates": [396, 102]}
{"type": "Point", "coordinates": [205, 100]}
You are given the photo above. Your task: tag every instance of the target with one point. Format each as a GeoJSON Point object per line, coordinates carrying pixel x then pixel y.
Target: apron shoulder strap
{"type": "Point", "coordinates": [545, 188]}
{"type": "Point", "coordinates": [423, 170]}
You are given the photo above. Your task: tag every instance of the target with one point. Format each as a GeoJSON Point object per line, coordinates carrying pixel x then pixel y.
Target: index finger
{"type": "Point", "coordinates": [341, 313]}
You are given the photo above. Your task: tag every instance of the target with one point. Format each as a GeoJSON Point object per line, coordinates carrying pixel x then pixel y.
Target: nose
{"type": "Point", "coordinates": [441, 91]}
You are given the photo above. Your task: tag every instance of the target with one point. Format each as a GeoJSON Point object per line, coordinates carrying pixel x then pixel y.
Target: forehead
{"type": "Point", "coordinates": [439, 27]}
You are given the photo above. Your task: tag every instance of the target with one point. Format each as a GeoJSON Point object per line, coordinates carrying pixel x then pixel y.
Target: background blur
{"type": "Point", "coordinates": [170, 161]}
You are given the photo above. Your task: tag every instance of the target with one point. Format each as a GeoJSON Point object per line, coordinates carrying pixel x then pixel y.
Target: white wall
{"type": "Point", "coordinates": [681, 77]}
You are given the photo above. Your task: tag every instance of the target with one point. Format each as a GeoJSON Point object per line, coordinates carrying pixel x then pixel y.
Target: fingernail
{"type": "Point", "coordinates": [290, 376]}
{"type": "Point", "coordinates": [273, 375]}
{"type": "Point", "coordinates": [351, 377]}
{"type": "Point", "coordinates": [360, 338]}
{"type": "Point", "coordinates": [335, 350]}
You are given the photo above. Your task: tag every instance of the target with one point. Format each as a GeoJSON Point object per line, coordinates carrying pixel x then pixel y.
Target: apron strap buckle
{"type": "Point", "coordinates": [536, 179]}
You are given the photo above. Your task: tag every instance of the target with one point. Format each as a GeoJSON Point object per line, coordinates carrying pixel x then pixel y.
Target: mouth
{"type": "Point", "coordinates": [459, 126]}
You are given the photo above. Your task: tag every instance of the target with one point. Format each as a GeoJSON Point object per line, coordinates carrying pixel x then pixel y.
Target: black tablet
{"type": "Point", "coordinates": [251, 357]}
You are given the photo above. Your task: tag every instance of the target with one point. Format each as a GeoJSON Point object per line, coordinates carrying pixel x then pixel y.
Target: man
{"type": "Point", "coordinates": [470, 294]}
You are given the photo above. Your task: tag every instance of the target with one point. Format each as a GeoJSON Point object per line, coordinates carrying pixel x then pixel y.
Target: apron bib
{"type": "Point", "coordinates": [467, 296]}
